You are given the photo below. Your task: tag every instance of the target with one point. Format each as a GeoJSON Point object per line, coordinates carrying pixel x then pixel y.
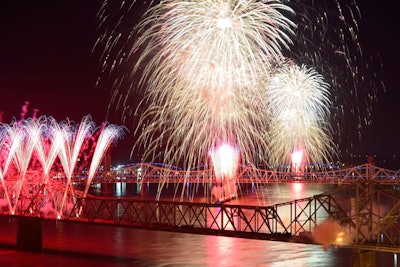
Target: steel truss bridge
{"type": "Point", "coordinates": [149, 173]}
{"type": "Point", "coordinates": [363, 216]}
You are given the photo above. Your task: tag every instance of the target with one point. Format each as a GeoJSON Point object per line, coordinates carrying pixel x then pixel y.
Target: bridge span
{"type": "Point", "coordinates": [149, 173]}
{"type": "Point", "coordinates": [361, 216]}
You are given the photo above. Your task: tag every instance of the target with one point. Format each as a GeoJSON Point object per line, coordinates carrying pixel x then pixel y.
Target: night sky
{"type": "Point", "coordinates": [47, 58]}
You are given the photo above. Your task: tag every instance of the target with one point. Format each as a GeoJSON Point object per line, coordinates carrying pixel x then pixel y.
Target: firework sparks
{"type": "Point", "coordinates": [328, 40]}
{"type": "Point", "coordinates": [108, 135]}
{"type": "Point", "coordinates": [26, 143]}
{"type": "Point", "coordinates": [72, 139]}
{"type": "Point", "coordinates": [298, 100]}
{"type": "Point", "coordinates": [201, 63]}
{"type": "Point", "coordinates": [209, 45]}
{"type": "Point", "coordinates": [204, 62]}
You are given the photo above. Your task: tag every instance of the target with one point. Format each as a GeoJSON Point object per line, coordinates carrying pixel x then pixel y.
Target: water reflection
{"type": "Point", "coordinates": [249, 193]}
{"type": "Point", "coordinates": [120, 189]}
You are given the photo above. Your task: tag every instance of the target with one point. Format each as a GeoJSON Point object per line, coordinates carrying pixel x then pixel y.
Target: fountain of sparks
{"type": "Point", "coordinates": [39, 159]}
{"type": "Point", "coordinates": [215, 70]}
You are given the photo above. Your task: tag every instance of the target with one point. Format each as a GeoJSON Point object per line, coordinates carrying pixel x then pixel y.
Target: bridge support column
{"type": "Point", "coordinates": [363, 258]}
{"type": "Point", "coordinates": [29, 234]}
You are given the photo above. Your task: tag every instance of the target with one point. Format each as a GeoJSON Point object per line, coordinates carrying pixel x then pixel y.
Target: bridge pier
{"type": "Point", "coordinates": [364, 258]}
{"type": "Point", "coordinates": [29, 234]}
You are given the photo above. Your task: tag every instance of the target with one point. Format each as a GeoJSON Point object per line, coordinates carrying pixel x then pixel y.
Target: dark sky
{"type": "Point", "coordinates": [46, 58]}
{"type": "Point", "coordinates": [45, 55]}
{"type": "Point", "coordinates": [379, 30]}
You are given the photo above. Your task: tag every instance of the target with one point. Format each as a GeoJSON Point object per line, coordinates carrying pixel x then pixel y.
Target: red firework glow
{"type": "Point", "coordinates": [297, 161]}
{"type": "Point", "coordinates": [225, 159]}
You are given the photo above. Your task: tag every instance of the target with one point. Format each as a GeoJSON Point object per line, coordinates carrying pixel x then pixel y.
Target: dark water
{"type": "Point", "coordinates": [74, 244]}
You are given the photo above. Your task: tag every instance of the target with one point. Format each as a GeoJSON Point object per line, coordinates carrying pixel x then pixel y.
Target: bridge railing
{"type": "Point", "coordinates": [197, 217]}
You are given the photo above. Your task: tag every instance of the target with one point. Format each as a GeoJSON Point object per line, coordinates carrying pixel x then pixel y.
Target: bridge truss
{"type": "Point", "coordinates": [149, 173]}
{"type": "Point", "coordinates": [367, 216]}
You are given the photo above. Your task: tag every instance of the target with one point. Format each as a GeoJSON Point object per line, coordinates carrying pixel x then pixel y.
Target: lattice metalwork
{"type": "Point", "coordinates": [368, 213]}
{"type": "Point", "coordinates": [144, 172]}
{"type": "Point", "coordinates": [181, 216]}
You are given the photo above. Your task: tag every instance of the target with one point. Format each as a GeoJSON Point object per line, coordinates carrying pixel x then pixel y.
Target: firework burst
{"type": "Point", "coordinates": [202, 64]}
{"type": "Point", "coordinates": [298, 102]}
{"type": "Point", "coordinates": [205, 68]}
{"type": "Point", "coordinates": [209, 45]}
{"type": "Point", "coordinates": [31, 150]}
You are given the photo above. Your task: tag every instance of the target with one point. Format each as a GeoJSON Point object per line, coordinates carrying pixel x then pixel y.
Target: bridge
{"type": "Point", "coordinates": [362, 213]}
{"type": "Point", "coordinates": [150, 173]}
{"type": "Point", "coordinates": [364, 216]}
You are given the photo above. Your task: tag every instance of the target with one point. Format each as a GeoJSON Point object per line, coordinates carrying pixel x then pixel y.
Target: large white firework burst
{"type": "Point", "coordinates": [209, 44]}
{"type": "Point", "coordinates": [204, 65]}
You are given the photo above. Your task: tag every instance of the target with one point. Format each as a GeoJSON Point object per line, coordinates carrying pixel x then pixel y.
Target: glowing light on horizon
{"type": "Point", "coordinates": [297, 160]}
{"type": "Point", "coordinates": [225, 159]}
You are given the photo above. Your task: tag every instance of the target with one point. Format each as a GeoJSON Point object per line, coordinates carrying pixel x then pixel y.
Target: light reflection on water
{"type": "Point", "coordinates": [96, 245]}
{"type": "Point", "coordinates": [249, 194]}
{"type": "Point", "coordinates": [113, 246]}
